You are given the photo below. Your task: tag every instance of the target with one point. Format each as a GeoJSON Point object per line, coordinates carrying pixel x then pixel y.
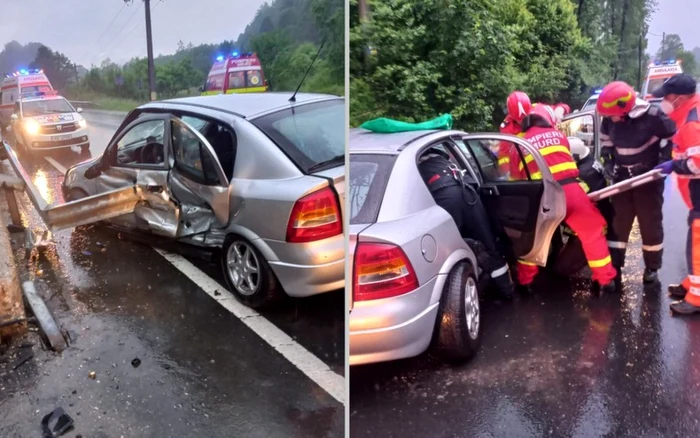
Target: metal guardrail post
{"type": "Point", "coordinates": [12, 205]}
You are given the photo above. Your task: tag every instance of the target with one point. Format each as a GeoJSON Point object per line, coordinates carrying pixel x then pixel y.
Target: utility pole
{"type": "Point", "coordinates": [639, 72]}
{"type": "Point", "coordinates": [663, 46]}
{"type": "Point", "coordinates": [149, 48]}
{"type": "Point", "coordinates": [149, 45]}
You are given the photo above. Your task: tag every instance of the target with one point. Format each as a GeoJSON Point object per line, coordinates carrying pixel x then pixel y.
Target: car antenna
{"type": "Point", "coordinates": [294, 96]}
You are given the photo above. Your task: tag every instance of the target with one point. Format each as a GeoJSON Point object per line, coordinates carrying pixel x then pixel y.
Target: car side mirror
{"type": "Point", "coordinates": [79, 110]}
{"type": "Point", "coordinates": [94, 171]}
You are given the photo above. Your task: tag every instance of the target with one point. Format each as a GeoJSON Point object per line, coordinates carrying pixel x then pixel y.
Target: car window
{"type": "Point", "coordinates": [582, 128]}
{"type": "Point", "coordinates": [590, 104]}
{"type": "Point", "coordinates": [499, 161]}
{"type": "Point", "coordinates": [312, 135]}
{"type": "Point", "coordinates": [215, 82]}
{"type": "Point", "coordinates": [195, 122]}
{"type": "Point", "coordinates": [369, 175]}
{"type": "Point", "coordinates": [192, 157]}
{"type": "Point", "coordinates": [655, 84]}
{"type": "Point", "coordinates": [132, 150]}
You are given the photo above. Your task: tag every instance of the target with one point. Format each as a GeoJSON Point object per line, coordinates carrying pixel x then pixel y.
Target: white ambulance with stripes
{"type": "Point", "coordinates": [22, 82]}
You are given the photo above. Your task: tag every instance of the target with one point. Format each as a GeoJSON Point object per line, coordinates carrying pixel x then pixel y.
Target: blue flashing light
{"type": "Point", "coordinates": [672, 61]}
{"type": "Point", "coordinates": [597, 90]}
{"type": "Point", "coordinates": [235, 54]}
{"type": "Point", "coordinates": [23, 71]}
{"type": "Point", "coordinates": [219, 58]}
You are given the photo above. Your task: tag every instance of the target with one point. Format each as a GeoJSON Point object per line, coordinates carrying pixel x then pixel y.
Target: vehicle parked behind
{"type": "Point", "coordinates": [17, 84]}
{"type": "Point", "coordinates": [44, 123]}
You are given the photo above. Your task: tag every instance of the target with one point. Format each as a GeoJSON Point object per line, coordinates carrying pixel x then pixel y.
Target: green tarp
{"type": "Point", "coordinates": [388, 126]}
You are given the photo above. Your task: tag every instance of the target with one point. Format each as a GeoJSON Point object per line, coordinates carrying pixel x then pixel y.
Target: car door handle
{"type": "Point", "coordinates": [492, 191]}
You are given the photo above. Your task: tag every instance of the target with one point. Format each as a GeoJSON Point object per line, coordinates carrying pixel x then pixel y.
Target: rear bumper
{"type": "Point", "coordinates": [393, 328]}
{"type": "Point", "coordinates": [308, 280]}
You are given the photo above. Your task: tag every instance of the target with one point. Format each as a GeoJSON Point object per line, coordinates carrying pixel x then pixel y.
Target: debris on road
{"type": "Point", "coordinates": [43, 317]}
{"type": "Point", "coordinates": [136, 362]}
{"type": "Point", "coordinates": [92, 375]}
{"type": "Point", "coordinates": [62, 423]}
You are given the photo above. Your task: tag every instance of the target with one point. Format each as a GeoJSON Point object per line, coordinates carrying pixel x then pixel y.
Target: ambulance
{"type": "Point", "coordinates": [238, 73]}
{"type": "Point", "coordinates": [17, 84]}
{"type": "Point", "coordinates": [657, 74]}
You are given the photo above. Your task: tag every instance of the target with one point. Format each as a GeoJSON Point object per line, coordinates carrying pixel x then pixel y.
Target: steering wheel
{"type": "Point", "coordinates": [152, 153]}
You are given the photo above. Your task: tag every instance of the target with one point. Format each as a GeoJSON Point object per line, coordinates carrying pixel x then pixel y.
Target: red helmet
{"type": "Point", "coordinates": [519, 105]}
{"type": "Point", "coordinates": [546, 112]}
{"type": "Point", "coordinates": [565, 107]}
{"type": "Point", "coordinates": [616, 99]}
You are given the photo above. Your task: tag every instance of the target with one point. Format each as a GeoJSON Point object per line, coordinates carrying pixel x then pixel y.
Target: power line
{"type": "Point", "coordinates": [110, 24]}
{"type": "Point", "coordinates": [137, 26]}
{"type": "Point", "coordinates": [122, 28]}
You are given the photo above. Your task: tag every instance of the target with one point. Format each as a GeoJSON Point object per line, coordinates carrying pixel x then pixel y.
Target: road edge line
{"type": "Point", "coordinates": [52, 161]}
{"type": "Point", "coordinates": [305, 361]}
{"type": "Point", "coordinates": [313, 367]}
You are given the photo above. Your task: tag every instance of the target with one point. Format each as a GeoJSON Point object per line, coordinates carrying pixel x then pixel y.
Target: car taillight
{"type": "Point", "coordinates": [381, 271]}
{"type": "Point", "coordinates": [315, 217]}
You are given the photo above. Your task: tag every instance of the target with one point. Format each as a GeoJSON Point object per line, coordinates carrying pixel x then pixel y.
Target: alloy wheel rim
{"type": "Point", "coordinates": [471, 308]}
{"type": "Point", "coordinates": [243, 268]}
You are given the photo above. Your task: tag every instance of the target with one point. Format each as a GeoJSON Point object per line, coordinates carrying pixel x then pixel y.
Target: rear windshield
{"type": "Point", "coordinates": [244, 79]}
{"type": "Point", "coordinates": [215, 82]}
{"type": "Point", "coordinates": [590, 104]}
{"type": "Point", "coordinates": [312, 135]}
{"type": "Point", "coordinates": [369, 175]}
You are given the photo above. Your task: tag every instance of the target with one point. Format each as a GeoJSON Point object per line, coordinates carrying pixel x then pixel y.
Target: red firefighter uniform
{"type": "Point", "coordinates": [686, 165]}
{"type": "Point", "coordinates": [509, 126]}
{"type": "Point", "coordinates": [518, 106]}
{"type": "Point", "coordinates": [581, 215]}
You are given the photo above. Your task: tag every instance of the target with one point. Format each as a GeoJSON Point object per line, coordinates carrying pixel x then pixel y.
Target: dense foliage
{"type": "Point", "coordinates": [413, 60]}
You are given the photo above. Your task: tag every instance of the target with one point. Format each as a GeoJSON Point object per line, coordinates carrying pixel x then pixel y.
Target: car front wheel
{"type": "Point", "coordinates": [248, 275]}
{"type": "Point", "coordinates": [459, 319]}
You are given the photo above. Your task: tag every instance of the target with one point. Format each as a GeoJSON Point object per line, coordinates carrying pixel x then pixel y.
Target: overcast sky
{"type": "Point", "coordinates": [74, 27]}
{"type": "Point", "coordinates": [681, 17]}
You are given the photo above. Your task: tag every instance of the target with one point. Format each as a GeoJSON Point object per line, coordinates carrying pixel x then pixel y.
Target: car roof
{"type": "Point", "coordinates": [362, 140]}
{"type": "Point", "coordinates": [249, 105]}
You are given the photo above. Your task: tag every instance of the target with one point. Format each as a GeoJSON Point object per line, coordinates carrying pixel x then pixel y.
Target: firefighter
{"type": "Point", "coordinates": [518, 106]}
{"type": "Point", "coordinates": [581, 215]}
{"type": "Point", "coordinates": [561, 110]}
{"type": "Point", "coordinates": [451, 191]}
{"type": "Point", "coordinates": [631, 135]}
{"type": "Point", "coordinates": [682, 104]}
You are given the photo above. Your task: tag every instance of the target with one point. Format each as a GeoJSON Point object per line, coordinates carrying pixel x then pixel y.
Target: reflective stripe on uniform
{"type": "Point", "coordinates": [694, 291]}
{"type": "Point", "coordinates": [606, 143]}
{"type": "Point", "coordinates": [693, 167]}
{"type": "Point", "coordinates": [694, 279]}
{"type": "Point", "coordinates": [640, 149]}
{"type": "Point", "coordinates": [693, 150]}
{"type": "Point", "coordinates": [500, 271]}
{"type": "Point", "coordinates": [584, 186]}
{"type": "Point", "coordinates": [561, 167]}
{"type": "Point", "coordinates": [523, 262]}
{"type": "Point", "coordinates": [658, 247]}
{"type": "Point", "coordinates": [504, 160]}
{"type": "Point", "coordinates": [544, 152]}
{"type": "Point", "coordinates": [599, 263]}
{"type": "Point", "coordinates": [617, 245]}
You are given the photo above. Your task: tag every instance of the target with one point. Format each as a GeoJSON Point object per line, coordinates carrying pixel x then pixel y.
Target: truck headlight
{"type": "Point", "coordinates": [31, 126]}
{"type": "Point", "coordinates": [82, 123]}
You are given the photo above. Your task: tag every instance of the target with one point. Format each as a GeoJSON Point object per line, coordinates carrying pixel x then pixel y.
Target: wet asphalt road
{"type": "Point", "coordinates": [563, 363]}
{"type": "Point", "coordinates": [203, 372]}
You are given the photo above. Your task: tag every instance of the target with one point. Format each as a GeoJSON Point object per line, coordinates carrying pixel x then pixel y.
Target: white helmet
{"type": "Point", "coordinates": [578, 148]}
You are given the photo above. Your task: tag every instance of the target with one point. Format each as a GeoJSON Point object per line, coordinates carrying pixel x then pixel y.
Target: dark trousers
{"type": "Point", "coordinates": [645, 203]}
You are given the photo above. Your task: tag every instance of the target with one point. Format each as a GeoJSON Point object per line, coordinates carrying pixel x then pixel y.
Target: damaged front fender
{"type": "Point", "coordinates": [91, 209]}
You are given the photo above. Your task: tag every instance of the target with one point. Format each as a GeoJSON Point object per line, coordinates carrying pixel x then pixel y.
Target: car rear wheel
{"type": "Point", "coordinates": [248, 275]}
{"type": "Point", "coordinates": [459, 318]}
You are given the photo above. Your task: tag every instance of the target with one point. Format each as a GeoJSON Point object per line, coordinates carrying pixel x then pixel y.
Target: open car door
{"type": "Point", "coordinates": [529, 211]}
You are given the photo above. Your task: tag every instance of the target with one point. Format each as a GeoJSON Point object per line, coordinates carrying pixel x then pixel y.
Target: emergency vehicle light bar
{"type": "Point", "coordinates": [24, 72]}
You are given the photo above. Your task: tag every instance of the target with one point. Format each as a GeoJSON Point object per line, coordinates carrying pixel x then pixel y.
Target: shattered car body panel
{"type": "Point", "coordinates": [204, 170]}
